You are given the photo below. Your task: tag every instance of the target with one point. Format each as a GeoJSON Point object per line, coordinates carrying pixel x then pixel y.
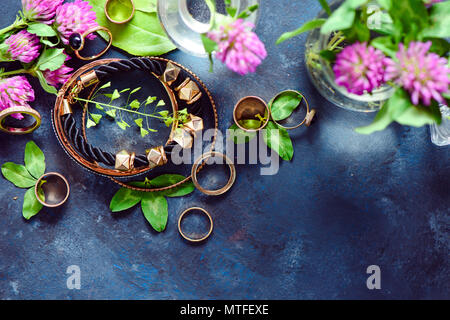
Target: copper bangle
{"type": "Point", "coordinates": [108, 16]}
{"type": "Point", "coordinates": [83, 40]}
{"type": "Point", "coordinates": [195, 169]}
{"type": "Point", "coordinates": [194, 239]}
{"type": "Point", "coordinates": [308, 117]}
{"type": "Point", "coordinates": [19, 109]}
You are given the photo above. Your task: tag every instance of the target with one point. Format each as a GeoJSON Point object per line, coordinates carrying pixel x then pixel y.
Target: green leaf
{"type": "Point", "coordinates": [90, 123]}
{"type": "Point", "coordinates": [359, 30]}
{"type": "Point", "coordinates": [150, 100]}
{"type": "Point", "coordinates": [155, 209]}
{"type": "Point", "coordinates": [391, 110]}
{"type": "Point", "coordinates": [409, 19]}
{"type": "Point", "coordinates": [440, 21]}
{"type": "Point", "coordinates": [166, 180]}
{"type": "Point", "coordinates": [142, 36]}
{"type": "Point", "coordinates": [106, 85]}
{"type": "Point", "coordinates": [283, 106]}
{"type": "Point", "coordinates": [31, 206]}
{"type": "Point", "coordinates": [123, 125]}
{"type": "Point", "coordinates": [164, 113]}
{"type": "Point", "coordinates": [328, 55]}
{"type": "Point", "coordinates": [125, 199]}
{"type": "Point", "coordinates": [34, 160]}
{"type": "Point", "coordinates": [43, 82]}
{"type": "Point", "coordinates": [144, 132]}
{"type": "Point", "coordinates": [240, 136]}
{"type": "Point", "coordinates": [51, 59]}
{"type": "Point", "coordinates": [278, 139]}
{"type": "Point", "coordinates": [115, 95]}
{"type": "Point", "coordinates": [139, 122]}
{"type": "Point", "coordinates": [145, 5]}
{"type": "Point", "coordinates": [41, 30]}
{"type": "Point", "coordinates": [386, 45]}
{"type": "Point", "coordinates": [49, 43]}
{"type": "Point", "coordinates": [209, 45]}
{"type": "Point", "coordinates": [325, 6]}
{"type": "Point", "coordinates": [306, 27]}
{"type": "Point", "coordinates": [418, 116]}
{"type": "Point", "coordinates": [96, 117]}
{"type": "Point", "coordinates": [135, 90]}
{"type": "Point", "coordinates": [250, 124]}
{"type": "Point", "coordinates": [343, 17]}
{"type": "Point", "coordinates": [125, 90]}
{"type": "Point", "coordinates": [135, 104]}
{"type": "Point", "coordinates": [111, 113]}
{"type": "Point", "coordinates": [161, 103]}
{"type": "Point", "coordinates": [385, 4]}
{"type": "Point", "coordinates": [18, 175]}
{"type": "Point", "coordinates": [231, 11]}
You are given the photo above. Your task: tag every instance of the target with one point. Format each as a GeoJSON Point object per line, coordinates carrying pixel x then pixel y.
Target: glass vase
{"type": "Point", "coordinates": [185, 20]}
{"type": "Point", "coordinates": [322, 76]}
{"type": "Point", "coordinates": [440, 134]}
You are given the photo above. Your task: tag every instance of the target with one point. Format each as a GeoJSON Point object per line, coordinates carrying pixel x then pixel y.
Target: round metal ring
{"type": "Point", "coordinates": [63, 197]}
{"type": "Point", "coordinates": [194, 239]}
{"type": "Point", "coordinates": [199, 162]}
{"type": "Point", "coordinates": [108, 15]}
{"type": "Point", "coordinates": [23, 110]}
{"type": "Point", "coordinates": [250, 107]}
{"type": "Point", "coordinates": [83, 40]}
{"type": "Point", "coordinates": [308, 117]}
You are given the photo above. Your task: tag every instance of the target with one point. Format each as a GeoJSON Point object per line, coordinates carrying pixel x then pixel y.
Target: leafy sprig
{"type": "Point", "coordinates": [153, 204]}
{"type": "Point", "coordinates": [26, 176]}
{"type": "Point", "coordinates": [133, 106]}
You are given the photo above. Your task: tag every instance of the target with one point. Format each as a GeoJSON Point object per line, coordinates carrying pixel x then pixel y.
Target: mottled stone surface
{"type": "Point", "coordinates": [345, 202]}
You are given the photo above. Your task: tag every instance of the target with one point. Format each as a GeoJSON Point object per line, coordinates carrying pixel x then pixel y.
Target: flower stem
{"type": "Point", "coordinates": [17, 24]}
{"type": "Point", "coordinates": [119, 108]}
{"type": "Point", "coordinates": [12, 73]}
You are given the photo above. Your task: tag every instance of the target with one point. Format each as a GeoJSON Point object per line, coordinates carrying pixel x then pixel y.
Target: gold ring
{"type": "Point", "coordinates": [248, 109]}
{"type": "Point", "coordinates": [195, 169]}
{"type": "Point", "coordinates": [23, 110]}
{"type": "Point", "coordinates": [59, 195]}
{"type": "Point", "coordinates": [308, 117]}
{"type": "Point", "coordinates": [83, 40]}
{"type": "Point", "coordinates": [194, 239]}
{"type": "Point", "coordinates": [107, 12]}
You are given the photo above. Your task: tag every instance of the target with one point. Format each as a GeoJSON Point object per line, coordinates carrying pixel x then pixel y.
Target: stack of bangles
{"type": "Point", "coordinates": [182, 90]}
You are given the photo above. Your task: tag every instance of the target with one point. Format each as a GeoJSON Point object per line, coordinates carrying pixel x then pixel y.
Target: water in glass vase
{"type": "Point", "coordinates": [185, 20]}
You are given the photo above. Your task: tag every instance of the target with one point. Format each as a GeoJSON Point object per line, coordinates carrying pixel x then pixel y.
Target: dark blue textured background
{"type": "Point", "coordinates": [345, 202]}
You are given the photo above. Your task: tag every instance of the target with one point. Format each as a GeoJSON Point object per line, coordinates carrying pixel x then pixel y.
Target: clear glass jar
{"type": "Point", "coordinates": [185, 20]}
{"type": "Point", "coordinates": [321, 74]}
{"type": "Point", "coordinates": [440, 134]}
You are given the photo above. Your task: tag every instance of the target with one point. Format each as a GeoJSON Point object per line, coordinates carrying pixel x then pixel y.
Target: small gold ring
{"type": "Point", "coordinates": [107, 8]}
{"type": "Point", "coordinates": [308, 117]}
{"type": "Point", "coordinates": [23, 110]}
{"type": "Point", "coordinates": [195, 239]}
{"type": "Point", "coordinates": [55, 192]}
{"type": "Point", "coordinates": [83, 41]}
{"type": "Point", "coordinates": [195, 169]}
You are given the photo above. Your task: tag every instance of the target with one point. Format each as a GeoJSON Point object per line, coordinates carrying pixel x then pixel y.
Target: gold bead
{"type": "Point", "coordinates": [170, 74]}
{"type": "Point", "coordinates": [188, 91]}
{"type": "Point", "coordinates": [194, 125]}
{"type": "Point", "coordinates": [125, 160]}
{"type": "Point", "coordinates": [156, 157]}
{"type": "Point", "coordinates": [183, 138]}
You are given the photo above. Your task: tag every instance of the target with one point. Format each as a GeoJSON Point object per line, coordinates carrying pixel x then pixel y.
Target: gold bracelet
{"type": "Point", "coordinates": [23, 110]}
{"type": "Point", "coordinates": [195, 239]}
